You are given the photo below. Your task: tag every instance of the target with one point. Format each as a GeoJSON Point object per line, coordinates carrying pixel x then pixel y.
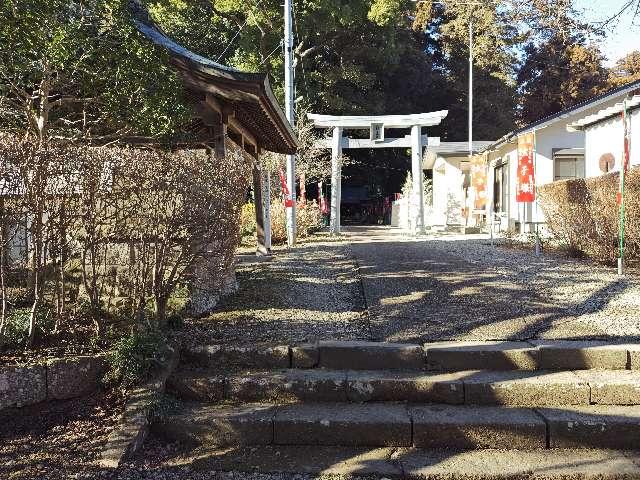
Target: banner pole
{"type": "Point", "coordinates": [535, 183]}
{"type": "Point", "coordinates": [623, 169]}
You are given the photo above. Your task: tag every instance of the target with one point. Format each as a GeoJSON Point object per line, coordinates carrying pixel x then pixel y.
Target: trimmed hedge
{"type": "Point", "coordinates": [583, 213]}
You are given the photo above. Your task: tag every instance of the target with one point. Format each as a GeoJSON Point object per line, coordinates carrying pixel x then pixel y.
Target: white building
{"type": "Point", "coordinates": [604, 137]}
{"type": "Point", "coordinates": [453, 194]}
{"type": "Point", "coordinates": [560, 154]}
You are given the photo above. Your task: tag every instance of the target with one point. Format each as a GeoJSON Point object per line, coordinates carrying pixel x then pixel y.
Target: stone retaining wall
{"type": "Point", "coordinates": [57, 379]}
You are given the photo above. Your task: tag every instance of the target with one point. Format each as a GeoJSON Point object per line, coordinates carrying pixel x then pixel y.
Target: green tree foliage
{"type": "Point", "coordinates": [558, 74]}
{"type": "Point", "coordinates": [78, 70]}
{"type": "Point", "coordinates": [626, 70]}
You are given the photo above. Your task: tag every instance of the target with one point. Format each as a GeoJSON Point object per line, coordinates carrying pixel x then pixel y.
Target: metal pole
{"type": "Point", "coordinates": [289, 111]}
{"type": "Point", "coordinates": [470, 84]}
{"type": "Point", "coordinates": [622, 179]}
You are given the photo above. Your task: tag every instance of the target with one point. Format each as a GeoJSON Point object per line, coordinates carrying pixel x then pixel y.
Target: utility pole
{"type": "Point", "coordinates": [290, 114]}
{"type": "Point", "coordinates": [470, 83]}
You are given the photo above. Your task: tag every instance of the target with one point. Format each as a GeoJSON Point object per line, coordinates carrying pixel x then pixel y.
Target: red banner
{"type": "Point", "coordinates": [525, 184]}
{"type": "Point", "coordinates": [288, 200]}
{"type": "Point", "coordinates": [479, 181]}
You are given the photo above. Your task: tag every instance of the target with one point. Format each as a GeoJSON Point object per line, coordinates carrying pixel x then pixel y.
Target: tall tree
{"type": "Point", "coordinates": [78, 70]}
{"type": "Point", "coordinates": [626, 69]}
{"type": "Point", "coordinates": [558, 74]}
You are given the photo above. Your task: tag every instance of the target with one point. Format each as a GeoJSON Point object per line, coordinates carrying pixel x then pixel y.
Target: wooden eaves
{"type": "Point", "coordinates": [241, 101]}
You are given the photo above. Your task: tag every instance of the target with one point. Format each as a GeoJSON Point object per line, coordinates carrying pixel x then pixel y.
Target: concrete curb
{"type": "Point", "coordinates": [133, 427]}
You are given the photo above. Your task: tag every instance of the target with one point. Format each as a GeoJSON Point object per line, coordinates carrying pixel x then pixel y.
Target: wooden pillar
{"type": "Point", "coordinates": [417, 201]}
{"type": "Point", "coordinates": [336, 180]}
{"type": "Point", "coordinates": [266, 209]}
{"type": "Point", "coordinates": [261, 248]}
{"type": "Point", "coordinates": [219, 135]}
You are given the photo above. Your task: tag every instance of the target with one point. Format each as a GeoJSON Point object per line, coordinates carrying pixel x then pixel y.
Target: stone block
{"type": "Point", "coordinates": [302, 462]}
{"type": "Point", "coordinates": [74, 377]}
{"type": "Point", "coordinates": [453, 356]}
{"type": "Point", "coordinates": [526, 388]}
{"type": "Point", "coordinates": [633, 350]}
{"type": "Point", "coordinates": [581, 355]}
{"type": "Point", "coordinates": [289, 386]}
{"type": "Point", "coordinates": [380, 425]}
{"type": "Point", "coordinates": [246, 356]}
{"type": "Point", "coordinates": [305, 355]}
{"type": "Point", "coordinates": [218, 426]}
{"type": "Point", "coordinates": [202, 387]}
{"type": "Point", "coordinates": [370, 356]}
{"type": "Point", "coordinates": [389, 386]}
{"type": "Point", "coordinates": [463, 427]}
{"type": "Point", "coordinates": [613, 387]}
{"type": "Point", "coordinates": [596, 426]}
{"type": "Point", "coordinates": [20, 386]}
{"type": "Point", "coordinates": [577, 464]}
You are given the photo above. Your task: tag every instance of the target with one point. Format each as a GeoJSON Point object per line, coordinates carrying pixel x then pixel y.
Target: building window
{"type": "Point", "coordinates": [501, 187]}
{"type": "Point", "coordinates": [567, 167]}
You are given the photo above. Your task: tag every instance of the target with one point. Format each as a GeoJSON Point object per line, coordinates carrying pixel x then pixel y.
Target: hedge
{"type": "Point", "coordinates": [584, 214]}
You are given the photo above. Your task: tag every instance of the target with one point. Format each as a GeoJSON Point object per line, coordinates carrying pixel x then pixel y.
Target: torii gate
{"type": "Point", "coordinates": [376, 125]}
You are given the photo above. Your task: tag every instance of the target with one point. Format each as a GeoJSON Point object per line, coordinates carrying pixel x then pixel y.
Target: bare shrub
{"type": "Point", "coordinates": [584, 214]}
{"type": "Point", "coordinates": [117, 231]}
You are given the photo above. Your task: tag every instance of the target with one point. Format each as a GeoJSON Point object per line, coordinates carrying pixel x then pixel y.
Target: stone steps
{"type": "Point", "coordinates": [440, 356]}
{"type": "Point", "coordinates": [399, 425]}
{"type": "Point", "coordinates": [510, 388]}
{"type": "Point", "coordinates": [414, 464]}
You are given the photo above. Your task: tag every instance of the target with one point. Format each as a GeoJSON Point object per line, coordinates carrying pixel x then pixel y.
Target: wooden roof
{"type": "Point", "coordinates": [248, 95]}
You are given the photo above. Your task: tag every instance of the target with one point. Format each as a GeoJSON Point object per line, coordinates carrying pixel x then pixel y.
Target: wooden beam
{"type": "Point", "coordinates": [227, 112]}
{"type": "Point", "coordinates": [389, 121]}
{"type": "Point", "coordinates": [404, 142]}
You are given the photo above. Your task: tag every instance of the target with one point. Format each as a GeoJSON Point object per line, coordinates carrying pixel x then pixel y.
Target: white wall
{"type": "Point", "coordinates": [448, 192]}
{"type": "Point", "coordinates": [607, 137]}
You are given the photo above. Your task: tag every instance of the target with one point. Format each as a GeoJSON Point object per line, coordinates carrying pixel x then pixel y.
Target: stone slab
{"type": "Point", "coordinates": [305, 355]}
{"type": "Point", "coordinates": [613, 387]}
{"type": "Point", "coordinates": [634, 356]}
{"type": "Point", "coordinates": [370, 356]}
{"type": "Point", "coordinates": [581, 355]}
{"type": "Point", "coordinates": [379, 425]}
{"type": "Point", "coordinates": [453, 356]}
{"type": "Point", "coordinates": [74, 376]}
{"type": "Point", "coordinates": [526, 388]}
{"type": "Point", "coordinates": [597, 426]}
{"type": "Point", "coordinates": [390, 386]}
{"type": "Point", "coordinates": [289, 386]}
{"type": "Point", "coordinates": [248, 356]}
{"type": "Point", "coordinates": [463, 427]}
{"type": "Point", "coordinates": [339, 461]}
{"type": "Point", "coordinates": [20, 386]}
{"type": "Point", "coordinates": [204, 387]}
{"type": "Point", "coordinates": [582, 464]}
{"type": "Point", "coordinates": [215, 426]}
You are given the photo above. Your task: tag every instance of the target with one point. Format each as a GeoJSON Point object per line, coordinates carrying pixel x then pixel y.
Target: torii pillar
{"type": "Point", "coordinates": [377, 124]}
{"type": "Point", "coordinates": [336, 180]}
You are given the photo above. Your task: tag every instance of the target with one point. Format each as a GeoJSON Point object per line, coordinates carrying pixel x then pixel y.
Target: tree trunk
{"type": "Point", "coordinates": [37, 280]}
{"type": "Point", "coordinates": [3, 261]}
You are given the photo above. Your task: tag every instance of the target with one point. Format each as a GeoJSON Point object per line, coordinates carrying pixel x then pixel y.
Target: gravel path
{"type": "Point", "coordinates": [312, 292]}
{"type": "Point", "coordinates": [462, 287]}
{"type": "Point", "coordinates": [379, 284]}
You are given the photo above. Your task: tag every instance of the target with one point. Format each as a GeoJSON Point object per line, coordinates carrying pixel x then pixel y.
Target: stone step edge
{"type": "Point", "coordinates": [307, 355]}
{"type": "Point", "coordinates": [537, 428]}
{"type": "Point", "coordinates": [218, 387]}
{"type": "Point", "coordinates": [409, 463]}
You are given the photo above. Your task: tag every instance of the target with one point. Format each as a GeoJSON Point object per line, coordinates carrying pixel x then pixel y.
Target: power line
{"type": "Point", "coordinates": [280, 45]}
{"type": "Point", "coordinates": [232, 40]}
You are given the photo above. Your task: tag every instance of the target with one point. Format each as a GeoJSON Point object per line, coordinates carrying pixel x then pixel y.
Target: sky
{"type": "Point", "coordinates": [623, 36]}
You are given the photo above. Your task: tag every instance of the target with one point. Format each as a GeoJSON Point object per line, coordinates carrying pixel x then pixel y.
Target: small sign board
{"type": "Point", "coordinates": [377, 132]}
